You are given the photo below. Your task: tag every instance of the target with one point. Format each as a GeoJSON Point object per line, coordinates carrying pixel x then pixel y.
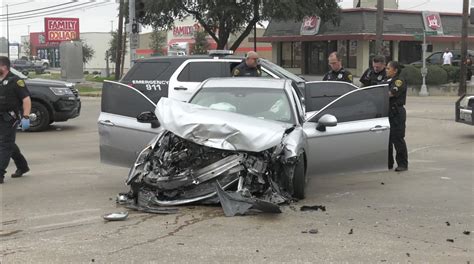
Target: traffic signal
{"type": "Point", "coordinates": [139, 9]}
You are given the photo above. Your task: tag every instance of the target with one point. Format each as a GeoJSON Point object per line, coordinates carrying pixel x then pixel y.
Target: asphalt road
{"type": "Point", "coordinates": [53, 215]}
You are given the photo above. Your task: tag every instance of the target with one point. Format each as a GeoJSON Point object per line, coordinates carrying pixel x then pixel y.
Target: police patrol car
{"type": "Point", "coordinates": [178, 77]}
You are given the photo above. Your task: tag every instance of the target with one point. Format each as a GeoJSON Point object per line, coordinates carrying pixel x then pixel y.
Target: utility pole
{"type": "Point", "coordinates": [462, 82]}
{"type": "Point", "coordinates": [118, 55]}
{"type": "Point", "coordinates": [256, 15]}
{"type": "Point", "coordinates": [424, 70]}
{"type": "Point", "coordinates": [133, 37]}
{"type": "Point", "coordinates": [8, 35]}
{"type": "Point", "coordinates": [379, 28]}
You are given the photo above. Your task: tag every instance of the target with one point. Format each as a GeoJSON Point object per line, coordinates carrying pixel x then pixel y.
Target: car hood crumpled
{"type": "Point", "coordinates": [219, 129]}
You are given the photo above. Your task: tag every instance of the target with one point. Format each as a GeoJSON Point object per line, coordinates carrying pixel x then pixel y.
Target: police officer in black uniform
{"type": "Point", "coordinates": [376, 74]}
{"type": "Point", "coordinates": [14, 97]}
{"type": "Point", "coordinates": [249, 67]}
{"type": "Point", "coordinates": [337, 72]}
{"type": "Point", "coordinates": [397, 116]}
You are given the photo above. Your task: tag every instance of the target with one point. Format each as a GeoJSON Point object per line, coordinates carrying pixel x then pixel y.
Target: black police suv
{"type": "Point", "coordinates": [52, 101]}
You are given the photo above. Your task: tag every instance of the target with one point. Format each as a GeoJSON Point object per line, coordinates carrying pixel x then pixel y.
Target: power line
{"type": "Point", "coordinates": [45, 12]}
{"type": "Point", "coordinates": [38, 9]}
{"type": "Point", "coordinates": [70, 11]}
{"type": "Point", "coordinates": [59, 12]}
{"type": "Point", "coordinates": [424, 3]}
{"type": "Point", "coordinates": [21, 3]}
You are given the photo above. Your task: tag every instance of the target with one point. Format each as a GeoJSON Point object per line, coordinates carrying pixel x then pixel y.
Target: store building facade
{"type": "Point", "coordinates": [303, 47]}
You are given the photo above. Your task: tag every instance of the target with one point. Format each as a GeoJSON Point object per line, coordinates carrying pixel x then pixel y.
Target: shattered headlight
{"type": "Point", "coordinates": [142, 157]}
{"type": "Point", "coordinates": [139, 163]}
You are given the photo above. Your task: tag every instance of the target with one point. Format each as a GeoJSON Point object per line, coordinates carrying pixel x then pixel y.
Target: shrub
{"type": "Point", "coordinates": [86, 72]}
{"type": "Point", "coordinates": [436, 75]}
{"type": "Point", "coordinates": [453, 72]}
{"type": "Point", "coordinates": [96, 72]}
{"type": "Point", "coordinates": [412, 75]}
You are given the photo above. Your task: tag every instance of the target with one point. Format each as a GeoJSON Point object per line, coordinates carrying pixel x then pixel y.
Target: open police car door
{"type": "Point", "coordinates": [358, 140]}
{"type": "Point", "coordinates": [122, 137]}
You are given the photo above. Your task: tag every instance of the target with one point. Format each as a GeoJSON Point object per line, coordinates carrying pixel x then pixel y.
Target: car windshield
{"type": "Point", "coordinates": [17, 73]}
{"type": "Point", "coordinates": [282, 71]}
{"type": "Point", "coordinates": [264, 103]}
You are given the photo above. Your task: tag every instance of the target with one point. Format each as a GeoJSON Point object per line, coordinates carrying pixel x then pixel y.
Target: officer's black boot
{"type": "Point", "coordinates": [1, 179]}
{"type": "Point", "coordinates": [18, 173]}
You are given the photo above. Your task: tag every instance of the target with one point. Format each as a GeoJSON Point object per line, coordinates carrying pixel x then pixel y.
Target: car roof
{"type": "Point", "coordinates": [189, 57]}
{"type": "Point", "coordinates": [245, 82]}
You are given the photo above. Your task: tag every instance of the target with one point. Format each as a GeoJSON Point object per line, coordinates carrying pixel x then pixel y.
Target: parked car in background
{"type": "Point", "coordinates": [437, 58]}
{"type": "Point", "coordinates": [25, 66]}
{"type": "Point", "coordinates": [52, 101]}
{"type": "Point", "coordinates": [464, 106]}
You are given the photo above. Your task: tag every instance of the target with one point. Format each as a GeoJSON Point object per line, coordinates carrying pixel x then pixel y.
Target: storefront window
{"type": "Point", "coordinates": [290, 54]}
{"type": "Point", "coordinates": [347, 49]}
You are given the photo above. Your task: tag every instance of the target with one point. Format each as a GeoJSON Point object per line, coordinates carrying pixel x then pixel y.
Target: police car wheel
{"type": "Point", "coordinates": [42, 117]}
{"type": "Point", "coordinates": [299, 179]}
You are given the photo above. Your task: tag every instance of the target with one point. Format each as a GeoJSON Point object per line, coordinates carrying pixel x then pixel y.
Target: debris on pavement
{"type": "Point", "coordinates": [313, 208]}
{"type": "Point", "coordinates": [447, 223]}
{"type": "Point", "coordinates": [311, 231]}
{"type": "Point", "coordinates": [467, 232]}
{"type": "Point", "coordinates": [118, 216]}
{"type": "Point", "coordinates": [450, 240]}
{"type": "Point", "coordinates": [351, 232]}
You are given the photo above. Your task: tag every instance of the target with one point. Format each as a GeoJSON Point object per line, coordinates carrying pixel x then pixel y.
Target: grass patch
{"type": "Point", "coordinates": [49, 76]}
{"type": "Point", "coordinates": [96, 78]}
{"type": "Point", "coordinates": [85, 90]}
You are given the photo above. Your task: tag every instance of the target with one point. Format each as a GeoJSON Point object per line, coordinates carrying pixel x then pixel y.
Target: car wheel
{"type": "Point", "coordinates": [42, 117]}
{"type": "Point", "coordinates": [299, 178]}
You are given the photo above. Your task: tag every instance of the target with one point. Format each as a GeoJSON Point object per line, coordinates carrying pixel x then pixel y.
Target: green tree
{"type": "Point", "coordinates": [201, 45]}
{"type": "Point", "coordinates": [87, 52]}
{"type": "Point", "coordinates": [222, 18]}
{"type": "Point", "coordinates": [113, 46]}
{"type": "Point", "coordinates": [158, 41]}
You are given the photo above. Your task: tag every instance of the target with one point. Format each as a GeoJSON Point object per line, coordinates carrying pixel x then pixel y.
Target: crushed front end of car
{"type": "Point", "coordinates": [209, 162]}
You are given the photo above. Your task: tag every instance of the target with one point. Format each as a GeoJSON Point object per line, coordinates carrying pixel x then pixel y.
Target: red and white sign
{"type": "Point", "coordinates": [432, 22]}
{"type": "Point", "coordinates": [185, 31]}
{"type": "Point", "coordinates": [61, 29]}
{"type": "Point", "coordinates": [310, 25]}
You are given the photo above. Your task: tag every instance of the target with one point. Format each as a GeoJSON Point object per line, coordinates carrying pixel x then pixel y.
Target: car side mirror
{"type": "Point", "coordinates": [326, 121]}
{"type": "Point", "coordinates": [148, 117]}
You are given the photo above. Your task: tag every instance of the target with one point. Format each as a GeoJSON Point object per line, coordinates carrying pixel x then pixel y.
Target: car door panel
{"type": "Point", "coordinates": [186, 79]}
{"type": "Point", "coordinates": [359, 141]}
{"type": "Point", "coordinates": [121, 135]}
{"type": "Point", "coordinates": [349, 146]}
{"type": "Point", "coordinates": [320, 93]}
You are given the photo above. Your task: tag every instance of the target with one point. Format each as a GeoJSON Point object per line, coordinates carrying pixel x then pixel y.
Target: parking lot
{"type": "Point", "coordinates": [54, 213]}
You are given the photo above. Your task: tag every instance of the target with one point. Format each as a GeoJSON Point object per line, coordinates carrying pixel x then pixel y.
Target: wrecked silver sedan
{"type": "Point", "coordinates": [247, 143]}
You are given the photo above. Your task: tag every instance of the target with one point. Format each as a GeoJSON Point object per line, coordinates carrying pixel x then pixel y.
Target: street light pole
{"type": "Point", "coordinates": [424, 70]}
{"type": "Point", "coordinates": [8, 35]}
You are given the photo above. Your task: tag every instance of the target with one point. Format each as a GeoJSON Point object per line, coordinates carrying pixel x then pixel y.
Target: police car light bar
{"type": "Point", "coordinates": [220, 52]}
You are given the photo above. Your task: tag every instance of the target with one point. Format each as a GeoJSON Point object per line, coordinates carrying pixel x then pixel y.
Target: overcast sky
{"type": "Point", "coordinates": [97, 16]}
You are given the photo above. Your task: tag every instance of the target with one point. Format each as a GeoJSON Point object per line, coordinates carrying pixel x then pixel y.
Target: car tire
{"type": "Point", "coordinates": [299, 178]}
{"type": "Point", "coordinates": [42, 117]}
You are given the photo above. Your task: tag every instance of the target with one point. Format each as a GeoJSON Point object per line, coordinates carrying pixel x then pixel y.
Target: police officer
{"type": "Point", "coordinates": [249, 67]}
{"type": "Point", "coordinates": [337, 72]}
{"type": "Point", "coordinates": [376, 74]}
{"type": "Point", "coordinates": [14, 96]}
{"type": "Point", "coordinates": [397, 116]}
